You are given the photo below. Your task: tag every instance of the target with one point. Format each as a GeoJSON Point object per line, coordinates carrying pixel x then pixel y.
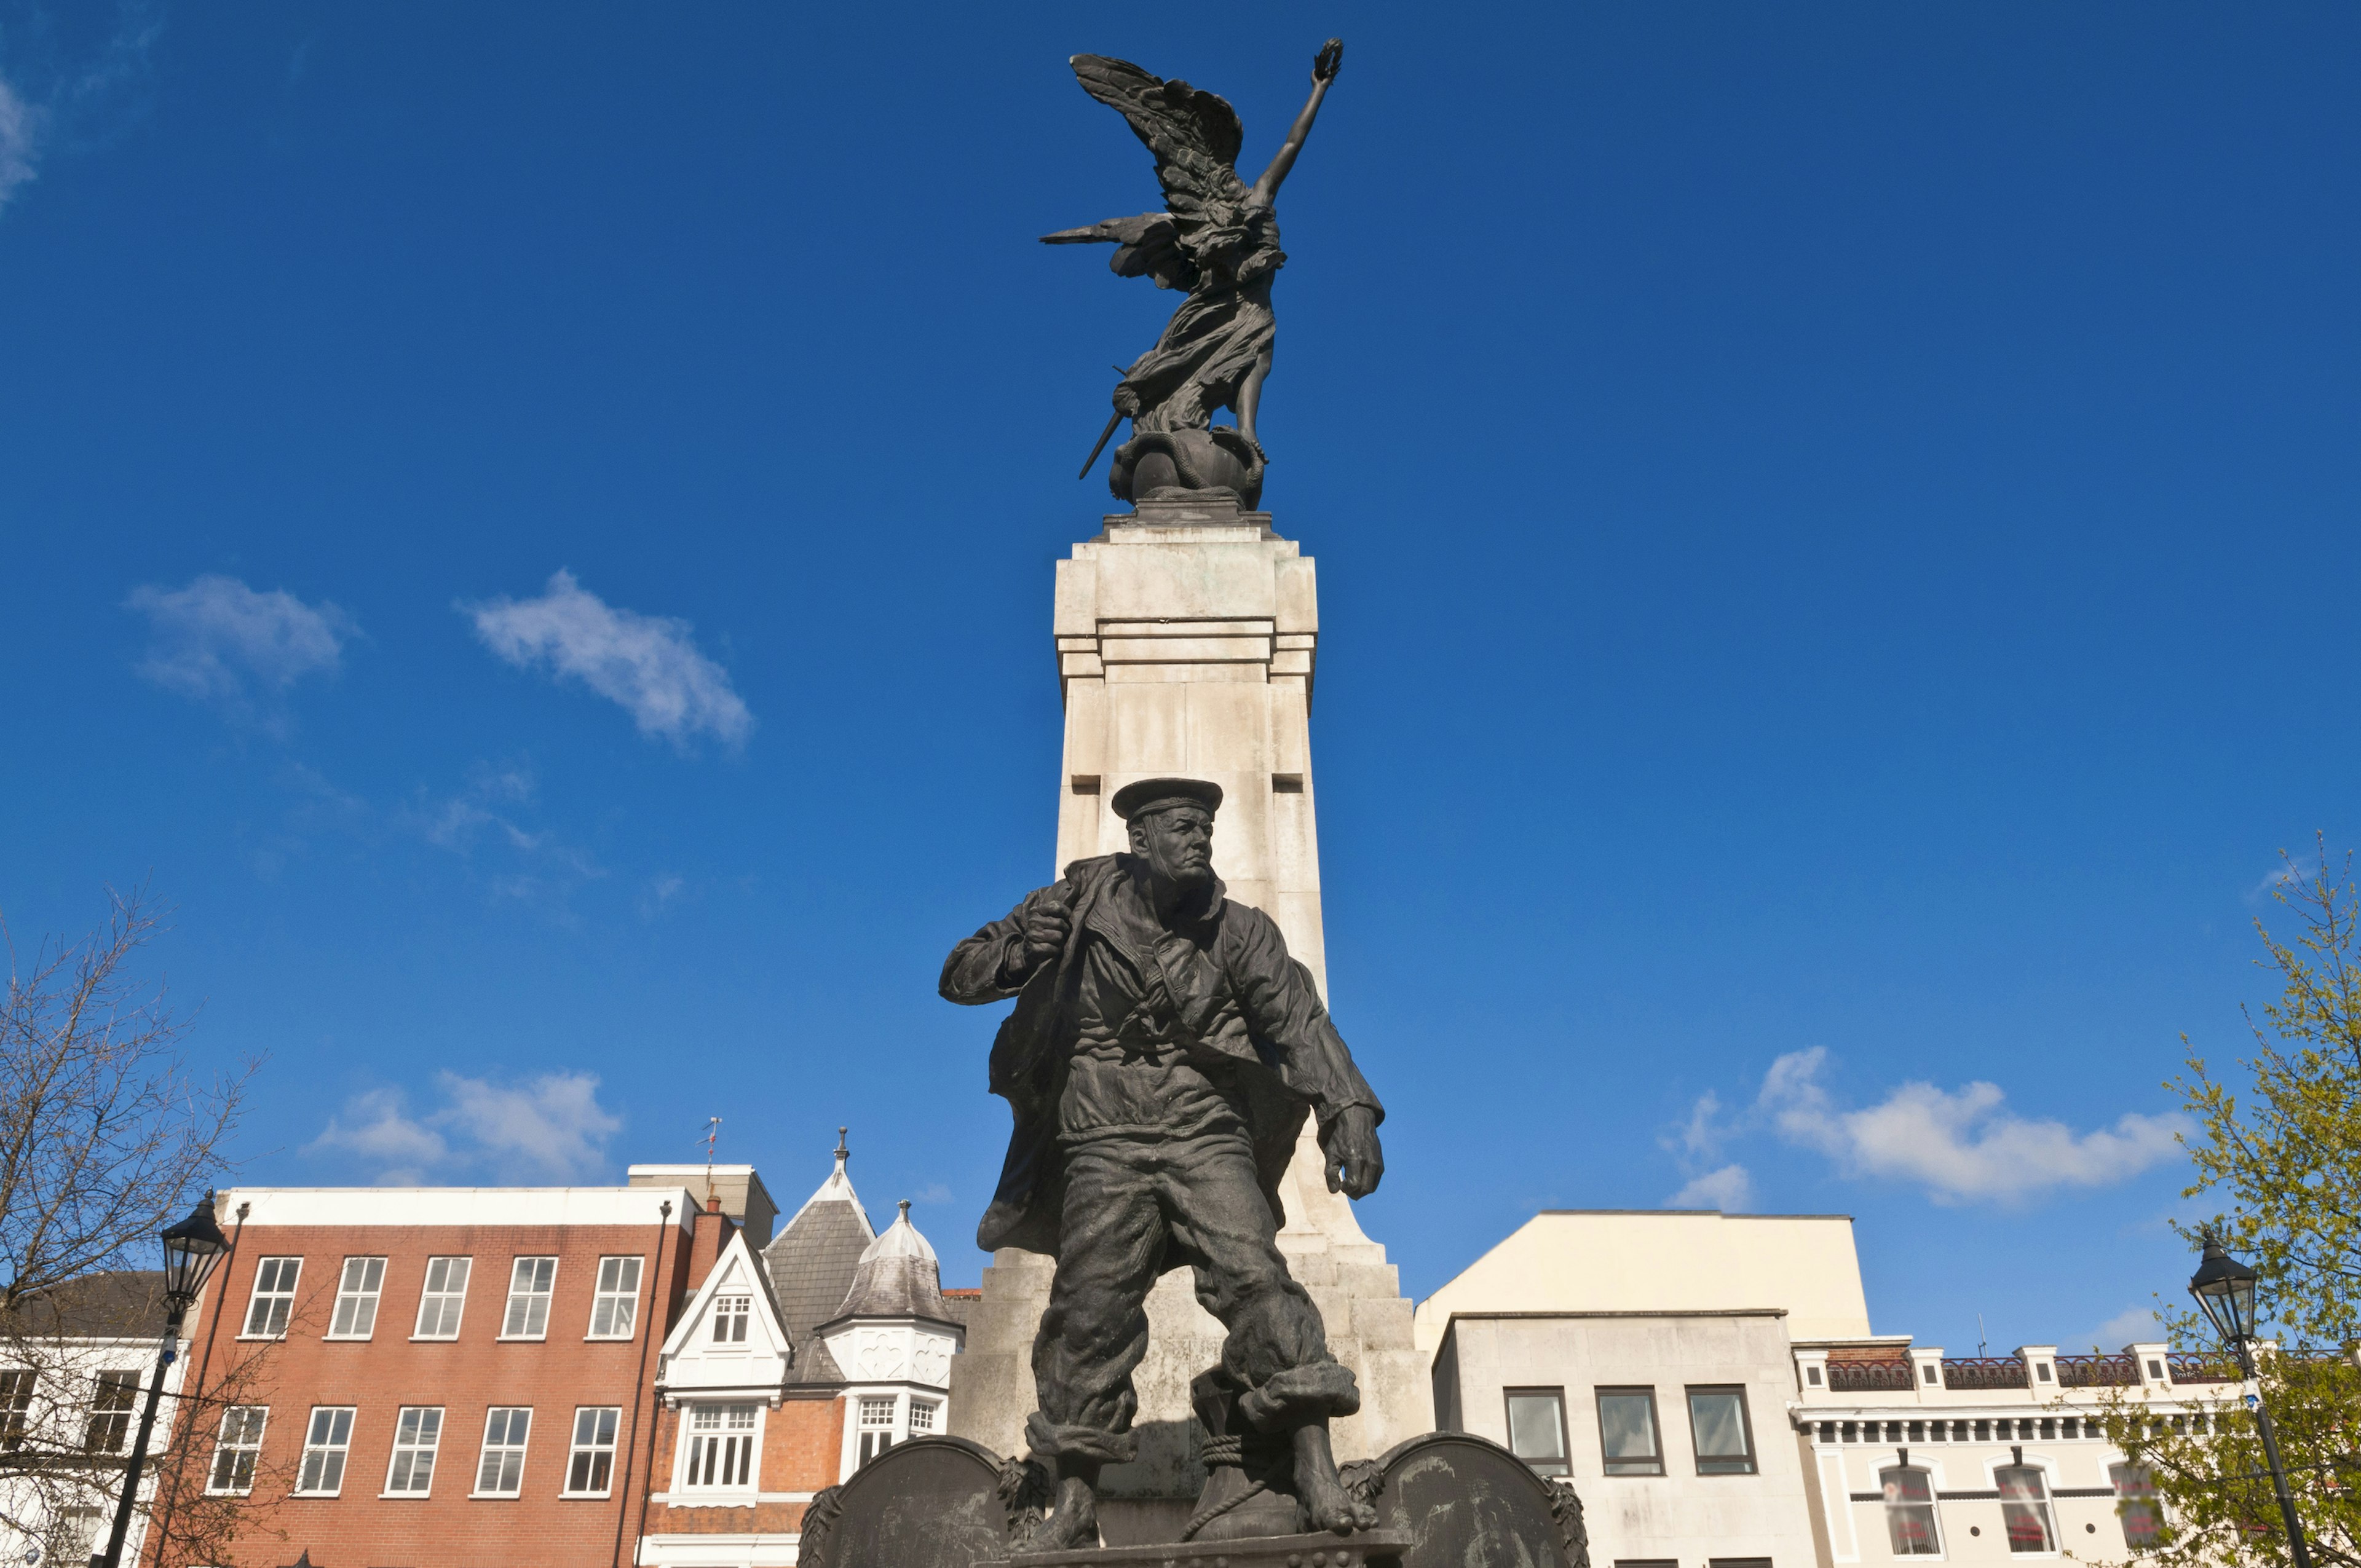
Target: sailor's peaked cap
{"type": "Point", "coordinates": [1154, 795]}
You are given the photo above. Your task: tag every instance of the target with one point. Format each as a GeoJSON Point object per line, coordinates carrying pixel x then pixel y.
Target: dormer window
{"type": "Point", "coordinates": [730, 1315]}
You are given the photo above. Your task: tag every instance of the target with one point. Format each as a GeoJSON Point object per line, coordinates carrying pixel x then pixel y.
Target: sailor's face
{"type": "Point", "coordinates": [1176, 843]}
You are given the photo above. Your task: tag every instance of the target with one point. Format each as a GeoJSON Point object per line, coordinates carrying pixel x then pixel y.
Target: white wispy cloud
{"type": "Point", "coordinates": [19, 138]}
{"type": "Point", "coordinates": [85, 98]}
{"type": "Point", "coordinates": [481, 824]}
{"type": "Point", "coordinates": [1702, 1136]}
{"type": "Point", "coordinates": [551, 1128]}
{"type": "Point", "coordinates": [1728, 1188]}
{"type": "Point", "coordinates": [219, 641]}
{"type": "Point", "coordinates": [1695, 1144]}
{"type": "Point", "coordinates": [457, 821]}
{"type": "Point", "coordinates": [1961, 1145]}
{"type": "Point", "coordinates": [658, 894]}
{"type": "Point", "coordinates": [2126, 1327]}
{"type": "Point", "coordinates": [374, 1128]}
{"type": "Point", "coordinates": [648, 664]}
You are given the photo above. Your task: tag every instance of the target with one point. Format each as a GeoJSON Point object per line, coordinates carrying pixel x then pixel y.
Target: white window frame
{"type": "Point", "coordinates": [272, 1297]}
{"type": "Point", "coordinates": [81, 1527]}
{"type": "Point", "coordinates": [731, 1313]}
{"type": "Point", "coordinates": [870, 1439]}
{"type": "Point", "coordinates": [456, 1300]}
{"type": "Point", "coordinates": [2045, 1506]}
{"type": "Point", "coordinates": [113, 1393]}
{"type": "Point", "coordinates": [411, 1439]}
{"type": "Point", "coordinates": [511, 1445]}
{"type": "Point", "coordinates": [360, 1286]}
{"type": "Point", "coordinates": [251, 1422]}
{"type": "Point", "coordinates": [2134, 1485]}
{"type": "Point", "coordinates": [723, 1446]}
{"type": "Point", "coordinates": [532, 1286]}
{"type": "Point", "coordinates": [934, 1412]}
{"type": "Point", "coordinates": [16, 1406]}
{"type": "Point", "coordinates": [329, 1441]}
{"type": "Point", "coordinates": [577, 1449]}
{"type": "Point", "coordinates": [1907, 1508]}
{"type": "Point", "coordinates": [616, 1295]}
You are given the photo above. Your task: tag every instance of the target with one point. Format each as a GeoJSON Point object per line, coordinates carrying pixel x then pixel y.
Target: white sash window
{"type": "Point", "coordinates": [720, 1446]}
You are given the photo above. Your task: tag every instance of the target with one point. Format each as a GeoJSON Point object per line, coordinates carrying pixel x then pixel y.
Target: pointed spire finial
{"type": "Point", "coordinates": [842, 1154]}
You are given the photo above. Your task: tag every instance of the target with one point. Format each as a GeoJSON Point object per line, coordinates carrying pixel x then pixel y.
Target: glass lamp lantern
{"type": "Point", "coordinates": [192, 1248]}
{"type": "Point", "coordinates": [2224, 1288]}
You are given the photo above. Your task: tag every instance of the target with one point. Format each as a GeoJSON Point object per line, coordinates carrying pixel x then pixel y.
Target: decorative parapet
{"type": "Point", "coordinates": [1894, 1376]}
{"type": "Point", "coordinates": [2098, 1372]}
{"type": "Point", "coordinates": [2184, 1367]}
{"type": "Point", "coordinates": [1985, 1372]}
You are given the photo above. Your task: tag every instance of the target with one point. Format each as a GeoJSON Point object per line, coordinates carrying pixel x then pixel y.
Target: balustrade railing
{"type": "Point", "coordinates": [1872, 1377]}
{"type": "Point", "coordinates": [2097, 1372]}
{"type": "Point", "coordinates": [2187, 1368]}
{"type": "Point", "coordinates": [1984, 1372]}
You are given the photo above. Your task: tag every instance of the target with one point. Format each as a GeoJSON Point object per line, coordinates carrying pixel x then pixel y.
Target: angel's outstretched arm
{"type": "Point", "coordinates": [1324, 71]}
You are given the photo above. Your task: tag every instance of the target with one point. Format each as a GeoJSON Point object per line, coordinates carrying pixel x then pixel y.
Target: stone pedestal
{"type": "Point", "coordinates": [1186, 638]}
{"type": "Point", "coordinates": [1364, 1549]}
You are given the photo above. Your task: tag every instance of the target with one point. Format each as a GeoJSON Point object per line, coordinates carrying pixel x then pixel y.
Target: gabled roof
{"type": "Point", "coordinates": [811, 1265]}
{"type": "Point", "coordinates": [897, 1276]}
{"type": "Point", "coordinates": [692, 1360]}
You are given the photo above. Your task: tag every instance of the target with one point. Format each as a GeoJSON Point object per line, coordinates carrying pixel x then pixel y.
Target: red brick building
{"type": "Point", "coordinates": [561, 1378]}
{"type": "Point", "coordinates": [460, 1376]}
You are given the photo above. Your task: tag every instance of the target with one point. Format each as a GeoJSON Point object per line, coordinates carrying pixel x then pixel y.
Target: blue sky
{"type": "Point", "coordinates": [533, 529]}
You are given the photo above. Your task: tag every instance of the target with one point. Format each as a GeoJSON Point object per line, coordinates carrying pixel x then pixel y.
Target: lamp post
{"type": "Point", "coordinates": [2225, 1289]}
{"type": "Point", "coordinates": [192, 1248]}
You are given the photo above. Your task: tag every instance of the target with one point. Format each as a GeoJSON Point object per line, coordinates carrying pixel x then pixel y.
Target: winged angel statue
{"type": "Point", "coordinates": [1217, 238]}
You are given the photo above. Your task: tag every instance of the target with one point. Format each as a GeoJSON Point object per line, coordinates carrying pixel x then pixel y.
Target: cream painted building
{"type": "Point", "coordinates": [1920, 1456]}
{"type": "Point", "coordinates": [1658, 1260]}
{"type": "Point", "coordinates": [1710, 1385]}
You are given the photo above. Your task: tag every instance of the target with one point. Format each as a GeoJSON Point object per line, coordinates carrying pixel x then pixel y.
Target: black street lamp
{"type": "Point", "coordinates": [192, 1248]}
{"type": "Point", "coordinates": [2225, 1289]}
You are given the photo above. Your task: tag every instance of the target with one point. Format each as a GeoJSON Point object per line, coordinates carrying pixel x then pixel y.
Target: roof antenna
{"type": "Point", "coordinates": [712, 1131]}
{"type": "Point", "coordinates": [1980, 1352]}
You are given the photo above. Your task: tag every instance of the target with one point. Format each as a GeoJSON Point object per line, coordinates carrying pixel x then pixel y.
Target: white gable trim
{"type": "Point", "coordinates": [691, 1362]}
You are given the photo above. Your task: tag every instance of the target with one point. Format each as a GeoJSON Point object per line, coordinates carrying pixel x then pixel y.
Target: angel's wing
{"type": "Point", "coordinates": [1194, 136]}
{"type": "Point", "coordinates": [1147, 245]}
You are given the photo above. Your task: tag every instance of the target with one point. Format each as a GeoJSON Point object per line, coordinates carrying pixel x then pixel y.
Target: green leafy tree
{"type": "Point", "coordinates": [2277, 1149]}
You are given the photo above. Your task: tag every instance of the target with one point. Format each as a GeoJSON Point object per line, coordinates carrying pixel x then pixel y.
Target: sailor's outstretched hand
{"type": "Point", "coordinates": [1355, 1162]}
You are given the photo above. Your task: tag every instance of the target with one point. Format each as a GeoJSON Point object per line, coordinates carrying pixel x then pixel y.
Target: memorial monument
{"type": "Point", "coordinates": [1183, 1325]}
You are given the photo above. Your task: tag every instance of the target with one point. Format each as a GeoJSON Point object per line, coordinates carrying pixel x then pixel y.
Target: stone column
{"type": "Point", "coordinates": [1187, 637]}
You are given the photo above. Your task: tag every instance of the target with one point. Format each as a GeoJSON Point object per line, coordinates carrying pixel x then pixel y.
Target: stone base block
{"type": "Point", "coordinates": [1364, 1549]}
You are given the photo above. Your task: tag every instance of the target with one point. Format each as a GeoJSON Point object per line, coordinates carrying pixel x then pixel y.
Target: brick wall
{"type": "Point", "coordinates": [803, 1440]}
{"type": "Point", "coordinates": [447, 1528]}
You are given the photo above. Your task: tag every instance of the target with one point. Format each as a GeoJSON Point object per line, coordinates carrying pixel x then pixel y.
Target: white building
{"type": "Point", "coordinates": [1918, 1455]}
{"type": "Point", "coordinates": [1710, 1386]}
{"type": "Point", "coordinates": [75, 1364]}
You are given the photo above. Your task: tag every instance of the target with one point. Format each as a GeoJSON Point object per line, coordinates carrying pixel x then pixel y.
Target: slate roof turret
{"type": "Point", "coordinates": [898, 1277]}
{"type": "Point", "coordinates": [811, 1265]}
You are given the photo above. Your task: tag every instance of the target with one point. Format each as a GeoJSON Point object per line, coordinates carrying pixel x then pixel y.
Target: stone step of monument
{"type": "Point", "coordinates": [1363, 1549]}
{"type": "Point", "coordinates": [1296, 1245]}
